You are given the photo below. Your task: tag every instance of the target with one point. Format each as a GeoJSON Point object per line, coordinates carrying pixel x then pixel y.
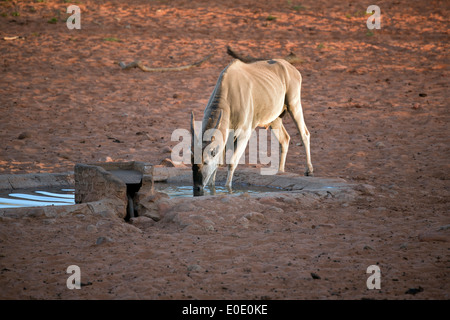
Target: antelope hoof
{"type": "Point", "coordinates": [309, 174]}
{"type": "Point", "coordinates": [198, 191]}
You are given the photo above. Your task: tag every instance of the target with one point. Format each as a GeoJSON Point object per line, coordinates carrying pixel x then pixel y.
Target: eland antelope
{"type": "Point", "coordinates": [246, 96]}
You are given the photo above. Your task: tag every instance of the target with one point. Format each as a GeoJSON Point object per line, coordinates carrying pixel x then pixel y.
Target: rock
{"type": "Point", "coordinates": [379, 144]}
{"type": "Point", "coordinates": [274, 209]}
{"type": "Point", "coordinates": [326, 225]}
{"type": "Point", "coordinates": [150, 213]}
{"type": "Point", "coordinates": [166, 149]}
{"type": "Point", "coordinates": [144, 134]}
{"type": "Point", "coordinates": [255, 216]}
{"type": "Point", "coordinates": [182, 219]}
{"type": "Point", "coordinates": [79, 211]}
{"type": "Point", "coordinates": [195, 268]}
{"type": "Point", "coordinates": [195, 221]}
{"type": "Point", "coordinates": [243, 222]}
{"type": "Point", "coordinates": [315, 276]}
{"type": "Point", "coordinates": [147, 196]}
{"type": "Point", "coordinates": [101, 240]}
{"type": "Point", "coordinates": [91, 228]}
{"type": "Point", "coordinates": [268, 200]}
{"type": "Point", "coordinates": [108, 208]}
{"type": "Point", "coordinates": [142, 221]}
{"type": "Point", "coordinates": [48, 221]}
{"type": "Point", "coordinates": [167, 163]}
{"type": "Point", "coordinates": [150, 205]}
{"type": "Point", "coordinates": [413, 291]}
{"type": "Point", "coordinates": [287, 199]}
{"type": "Point", "coordinates": [129, 228]}
{"type": "Point", "coordinates": [24, 135]}
{"type": "Point", "coordinates": [365, 189]}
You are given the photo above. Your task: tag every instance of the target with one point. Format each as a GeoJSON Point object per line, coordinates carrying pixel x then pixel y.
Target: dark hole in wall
{"type": "Point", "coordinates": [132, 189]}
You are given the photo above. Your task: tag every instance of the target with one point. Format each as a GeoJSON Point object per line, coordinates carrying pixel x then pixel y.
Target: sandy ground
{"type": "Point", "coordinates": [376, 103]}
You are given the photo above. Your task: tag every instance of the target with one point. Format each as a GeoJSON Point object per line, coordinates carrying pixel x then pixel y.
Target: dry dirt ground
{"type": "Point", "coordinates": [375, 101]}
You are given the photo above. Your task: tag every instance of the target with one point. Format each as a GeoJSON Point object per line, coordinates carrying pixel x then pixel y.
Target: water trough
{"type": "Point", "coordinates": [130, 189]}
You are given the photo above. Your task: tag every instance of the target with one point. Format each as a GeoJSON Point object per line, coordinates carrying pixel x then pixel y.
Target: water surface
{"type": "Point", "coordinates": [37, 198]}
{"type": "Point", "coordinates": [183, 191]}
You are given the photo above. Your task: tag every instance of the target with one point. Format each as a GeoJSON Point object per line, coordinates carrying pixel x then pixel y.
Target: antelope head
{"type": "Point", "coordinates": [210, 146]}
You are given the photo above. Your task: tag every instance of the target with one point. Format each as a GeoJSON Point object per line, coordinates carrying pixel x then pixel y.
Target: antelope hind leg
{"type": "Point", "coordinates": [283, 138]}
{"type": "Point", "coordinates": [297, 115]}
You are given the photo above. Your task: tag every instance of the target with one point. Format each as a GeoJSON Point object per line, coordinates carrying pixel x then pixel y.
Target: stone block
{"type": "Point", "coordinates": [94, 183]}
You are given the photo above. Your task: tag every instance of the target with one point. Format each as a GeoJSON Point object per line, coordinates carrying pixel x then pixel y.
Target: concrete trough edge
{"type": "Point", "coordinates": [36, 180]}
